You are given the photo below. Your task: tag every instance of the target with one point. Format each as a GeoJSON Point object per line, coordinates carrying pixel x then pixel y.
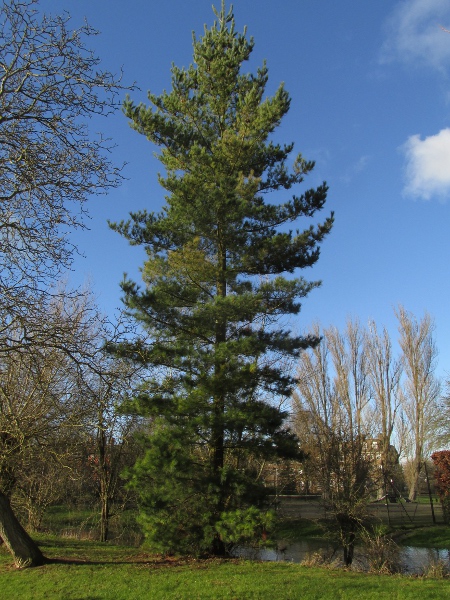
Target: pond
{"type": "Point", "coordinates": [409, 560]}
{"type": "Point", "coordinates": [415, 560]}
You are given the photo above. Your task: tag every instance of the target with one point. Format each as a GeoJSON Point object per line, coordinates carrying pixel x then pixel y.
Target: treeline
{"type": "Point", "coordinates": [63, 437]}
{"type": "Point", "coordinates": [360, 409]}
{"type": "Point", "coordinates": [353, 386]}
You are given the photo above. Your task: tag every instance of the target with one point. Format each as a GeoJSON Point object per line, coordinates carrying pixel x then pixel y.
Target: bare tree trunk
{"type": "Point", "coordinates": [333, 397]}
{"type": "Point", "coordinates": [104, 476]}
{"type": "Point", "coordinates": [24, 550]}
{"type": "Point", "coordinates": [349, 550]}
{"type": "Point", "coordinates": [104, 519]}
{"type": "Point", "coordinates": [413, 486]}
{"type": "Point", "coordinates": [413, 483]}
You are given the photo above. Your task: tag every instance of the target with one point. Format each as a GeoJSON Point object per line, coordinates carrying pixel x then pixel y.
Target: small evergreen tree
{"type": "Point", "coordinates": [214, 291]}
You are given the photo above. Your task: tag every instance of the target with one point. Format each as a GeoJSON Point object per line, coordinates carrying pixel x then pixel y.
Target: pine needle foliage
{"type": "Point", "coordinates": [221, 270]}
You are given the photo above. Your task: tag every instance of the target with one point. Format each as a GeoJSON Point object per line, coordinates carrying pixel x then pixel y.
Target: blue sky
{"type": "Point", "coordinates": [370, 92]}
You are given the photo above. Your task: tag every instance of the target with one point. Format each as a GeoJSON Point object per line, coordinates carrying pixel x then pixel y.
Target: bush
{"type": "Point", "coordinates": [245, 526]}
{"type": "Point", "coordinates": [442, 475]}
{"type": "Point", "coordinates": [380, 551]}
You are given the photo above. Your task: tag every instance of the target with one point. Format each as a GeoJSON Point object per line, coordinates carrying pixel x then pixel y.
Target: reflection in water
{"type": "Point", "coordinates": [411, 560]}
{"type": "Point", "coordinates": [296, 553]}
{"type": "Point", "coordinates": [415, 560]}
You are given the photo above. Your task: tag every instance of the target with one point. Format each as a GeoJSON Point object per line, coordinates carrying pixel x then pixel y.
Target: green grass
{"type": "Point", "coordinates": [92, 571]}
{"type": "Point", "coordinates": [425, 499]}
{"type": "Point", "coordinates": [85, 523]}
{"type": "Point", "coordinates": [293, 530]}
{"type": "Point", "coordinates": [77, 523]}
{"type": "Point", "coordinates": [61, 517]}
{"type": "Point", "coordinates": [437, 536]}
{"type": "Point", "coordinates": [431, 536]}
{"type": "Point", "coordinates": [88, 570]}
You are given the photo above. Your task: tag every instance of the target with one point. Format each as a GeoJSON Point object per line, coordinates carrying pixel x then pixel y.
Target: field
{"type": "Point", "coordinates": [63, 522]}
{"type": "Point", "coordinates": [91, 571]}
{"type": "Point", "coordinates": [83, 569]}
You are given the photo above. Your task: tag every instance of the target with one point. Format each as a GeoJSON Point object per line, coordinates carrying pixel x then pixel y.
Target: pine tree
{"type": "Point", "coordinates": [214, 292]}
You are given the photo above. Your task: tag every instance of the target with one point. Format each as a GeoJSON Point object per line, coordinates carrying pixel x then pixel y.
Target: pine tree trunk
{"type": "Point", "coordinates": [219, 400]}
{"type": "Point", "coordinates": [24, 550]}
{"type": "Point", "coordinates": [218, 437]}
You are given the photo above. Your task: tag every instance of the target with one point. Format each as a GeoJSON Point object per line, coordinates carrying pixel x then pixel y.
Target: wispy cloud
{"type": "Point", "coordinates": [414, 35]}
{"type": "Point", "coordinates": [356, 168]}
{"type": "Point", "coordinates": [428, 166]}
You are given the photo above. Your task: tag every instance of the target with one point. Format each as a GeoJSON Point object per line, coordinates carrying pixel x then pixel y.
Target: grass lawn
{"type": "Point", "coordinates": [63, 521]}
{"type": "Point", "coordinates": [92, 571]}
{"type": "Point", "coordinates": [430, 536]}
{"type": "Point", "coordinates": [411, 524]}
{"type": "Point", "coordinates": [293, 530]}
{"type": "Point", "coordinates": [433, 536]}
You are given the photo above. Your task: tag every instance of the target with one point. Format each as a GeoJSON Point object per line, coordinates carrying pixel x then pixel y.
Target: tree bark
{"type": "Point", "coordinates": [104, 477]}
{"type": "Point", "coordinates": [104, 519]}
{"type": "Point", "coordinates": [414, 475]}
{"type": "Point", "coordinates": [349, 550]}
{"type": "Point", "coordinates": [24, 550]}
{"type": "Point", "coordinates": [217, 430]}
{"type": "Point", "coordinates": [219, 400]}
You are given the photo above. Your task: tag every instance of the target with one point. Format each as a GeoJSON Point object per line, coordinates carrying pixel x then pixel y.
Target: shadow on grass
{"type": "Point", "coordinates": [153, 562]}
{"type": "Point", "coordinates": [87, 553]}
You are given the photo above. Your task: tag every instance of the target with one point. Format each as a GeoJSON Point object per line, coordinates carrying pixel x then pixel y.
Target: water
{"type": "Point", "coordinates": [409, 560]}
{"type": "Point", "coordinates": [296, 553]}
{"type": "Point", "coordinates": [416, 560]}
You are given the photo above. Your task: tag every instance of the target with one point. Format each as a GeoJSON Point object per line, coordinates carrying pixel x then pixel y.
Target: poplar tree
{"type": "Point", "coordinates": [221, 270]}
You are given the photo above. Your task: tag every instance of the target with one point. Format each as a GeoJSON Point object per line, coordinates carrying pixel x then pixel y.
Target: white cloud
{"type": "Point", "coordinates": [428, 166]}
{"type": "Point", "coordinates": [414, 33]}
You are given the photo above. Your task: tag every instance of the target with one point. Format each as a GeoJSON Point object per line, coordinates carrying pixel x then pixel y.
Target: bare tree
{"type": "Point", "coordinates": [384, 373]}
{"type": "Point", "coordinates": [314, 409]}
{"type": "Point", "coordinates": [109, 433]}
{"type": "Point", "coordinates": [349, 360]}
{"type": "Point", "coordinates": [332, 400]}
{"type": "Point", "coordinates": [51, 84]}
{"type": "Point", "coordinates": [43, 482]}
{"type": "Point", "coordinates": [36, 404]}
{"type": "Point", "coordinates": [421, 391]}
{"type": "Point", "coordinates": [33, 404]}
{"type": "Point", "coordinates": [40, 402]}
